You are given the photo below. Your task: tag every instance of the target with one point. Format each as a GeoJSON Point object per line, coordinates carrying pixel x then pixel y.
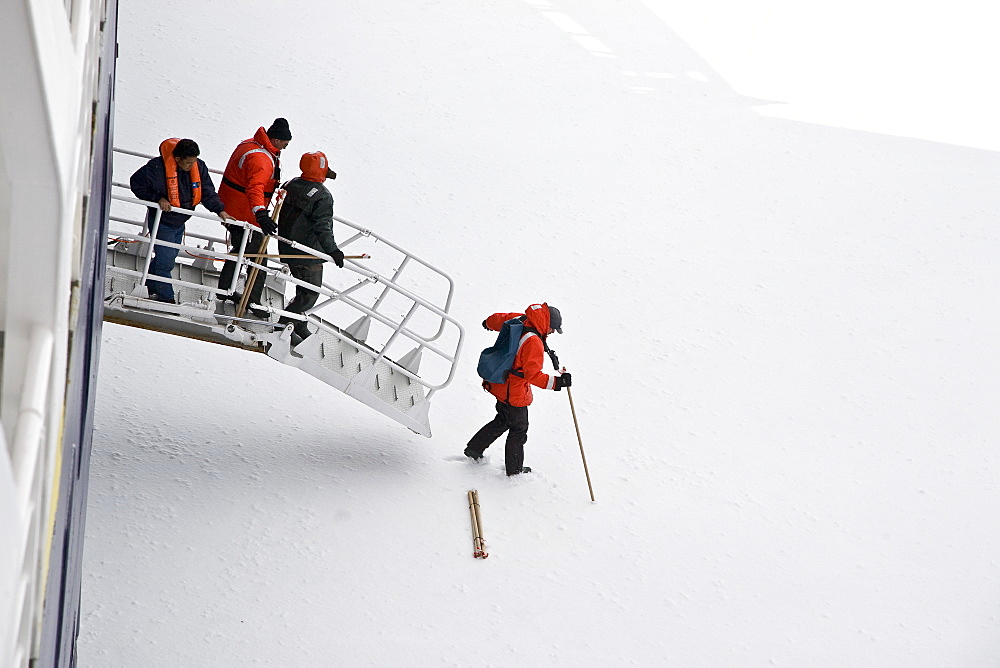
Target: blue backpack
{"type": "Point", "coordinates": [496, 362]}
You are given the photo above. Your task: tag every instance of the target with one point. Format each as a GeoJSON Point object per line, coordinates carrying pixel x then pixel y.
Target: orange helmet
{"type": "Point", "coordinates": [315, 167]}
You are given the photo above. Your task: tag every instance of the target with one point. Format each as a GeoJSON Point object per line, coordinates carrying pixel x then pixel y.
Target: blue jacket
{"type": "Point", "coordinates": [150, 183]}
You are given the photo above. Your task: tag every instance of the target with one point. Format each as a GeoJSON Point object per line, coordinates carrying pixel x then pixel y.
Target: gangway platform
{"type": "Point", "coordinates": [382, 330]}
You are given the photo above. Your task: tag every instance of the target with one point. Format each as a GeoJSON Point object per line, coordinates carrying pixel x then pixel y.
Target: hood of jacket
{"type": "Point", "coordinates": [261, 138]}
{"type": "Point", "coordinates": [537, 317]}
{"type": "Point", "coordinates": [314, 166]}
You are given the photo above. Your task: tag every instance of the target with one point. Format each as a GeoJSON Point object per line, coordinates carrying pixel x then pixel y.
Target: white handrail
{"type": "Point", "coordinates": [153, 241]}
{"type": "Point", "coordinates": [329, 292]}
{"type": "Point", "coordinates": [423, 341]}
{"type": "Point", "coordinates": [125, 151]}
{"type": "Point", "coordinates": [398, 328]}
{"type": "Point", "coordinates": [369, 233]}
{"type": "Point", "coordinates": [363, 231]}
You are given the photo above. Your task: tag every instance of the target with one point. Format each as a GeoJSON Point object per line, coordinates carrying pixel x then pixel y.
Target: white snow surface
{"type": "Point", "coordinates": [783, 338]}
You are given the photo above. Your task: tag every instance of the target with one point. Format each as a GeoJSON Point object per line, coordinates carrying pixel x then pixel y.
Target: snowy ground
{"type": "Point", "coordinates": [781, 335]}
{"type": "Point", "coordinates": [889, 66]}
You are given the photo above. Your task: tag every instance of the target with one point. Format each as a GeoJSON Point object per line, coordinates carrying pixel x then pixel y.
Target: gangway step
{"type": "Point", "coordinates": [356, 369]}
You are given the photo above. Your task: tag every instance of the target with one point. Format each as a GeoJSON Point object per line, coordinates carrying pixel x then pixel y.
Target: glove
{"type": "Point", "coordinates": [338, 258]}
{"type": "Point", "coordinates": [484, 325]}
{"type": "Point", "coordinates": [565, 380]}
{"type": "Point", "coordinates": [265, 223]}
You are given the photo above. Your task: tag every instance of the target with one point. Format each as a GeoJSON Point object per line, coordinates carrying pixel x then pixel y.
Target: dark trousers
{"type": "Point", "coordinates": [229, 268]}
{"type": "Point", "coordinates": [510, 419]}
{"type": "Point", "coordinates": [163, 261]}
{"type": "Point", "coordinates": [304, 298]}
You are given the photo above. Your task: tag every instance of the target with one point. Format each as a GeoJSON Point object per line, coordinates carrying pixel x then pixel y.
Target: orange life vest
{"type": "Point", "coordinates": [170, 166]}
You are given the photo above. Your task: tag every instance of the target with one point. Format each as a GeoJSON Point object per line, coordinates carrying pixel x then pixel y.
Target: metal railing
{"type": "Point", "coordinates": [371, 310]}
{"type": "Point", "coordinates": [148, 239]}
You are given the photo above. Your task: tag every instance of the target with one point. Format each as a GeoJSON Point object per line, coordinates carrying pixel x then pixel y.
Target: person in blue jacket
{"type": "Point", "coordinates": [176, 179]}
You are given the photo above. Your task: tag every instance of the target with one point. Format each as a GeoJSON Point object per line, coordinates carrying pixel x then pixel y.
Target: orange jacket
{"type": "Point", "coordinates": [251, 177]}
{"type": "Point", "coordinates": [528, 361]}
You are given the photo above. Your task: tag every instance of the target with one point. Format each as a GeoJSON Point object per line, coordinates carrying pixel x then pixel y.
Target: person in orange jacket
{"type": "Point", "coordinates": [250, 179]}
{"type": "Point", "coordinates": [514, 396]}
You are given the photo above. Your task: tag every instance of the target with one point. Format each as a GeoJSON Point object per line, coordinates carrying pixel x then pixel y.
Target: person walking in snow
{"type": "Point", "coordinates": [514, 395]}
{"type": "Point", "coordinates": [307, 218]}
{"type": "Point", "coordinates": [249, 182]}
{"type": "Point", "coordinates": [176, 179]}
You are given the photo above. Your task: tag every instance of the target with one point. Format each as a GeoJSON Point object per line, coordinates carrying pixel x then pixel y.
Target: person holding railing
{"type": "Point", "coordinates": [249, 182]}
{"type": "Point", "coordinates": [176, 179]}
{"type": "Point", "coordinates": [307, 218]}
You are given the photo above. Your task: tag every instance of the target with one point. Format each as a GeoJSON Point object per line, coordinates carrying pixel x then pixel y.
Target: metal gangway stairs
{"type": "Point", "coordinates": [383, 334]}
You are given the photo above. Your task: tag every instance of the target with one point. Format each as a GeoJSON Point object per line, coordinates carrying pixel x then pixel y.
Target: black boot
{"type": "Point", "coordinates": [301, 331]}
{"type": "Point", "coordinates": [263, 314]}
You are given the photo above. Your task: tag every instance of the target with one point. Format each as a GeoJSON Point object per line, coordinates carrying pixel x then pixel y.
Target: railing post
{"type": "Point", "coordinates": [149, 253]}
{"type": "Point", "coordinates": [239, 263]}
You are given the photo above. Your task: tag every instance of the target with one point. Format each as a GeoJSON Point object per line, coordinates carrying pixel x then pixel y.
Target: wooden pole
{"type": "Point", "coordinates": [572, 408]}
{"type": "Point", "coordinates": [252, 274]}
{"type": "Point", "coordinates": [478, 542]}
{"type": "Point", "coordinates": [251, 277]}
{"type": "Point", "coordinates": [479, 517]}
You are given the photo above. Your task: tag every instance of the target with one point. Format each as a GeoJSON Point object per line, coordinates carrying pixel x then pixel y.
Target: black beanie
{"type": "Point", "coordinates": [279, 130]}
